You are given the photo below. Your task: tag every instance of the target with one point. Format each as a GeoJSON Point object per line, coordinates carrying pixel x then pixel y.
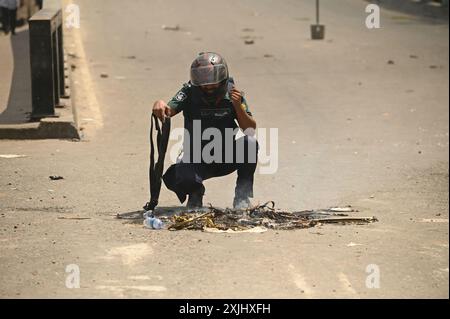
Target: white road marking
{"type": "Point", "coordinates": [10, 156]}
{"type": "Point", "coordinates": [300, 281]}
{"type": "Point", "coordinates": [120, 290]}
{"type": "Point", "coordinates": [140, 288]}
{"type": "Point", "coordinates": [129, 255]}
{"type": "Point", "coordinates": [346, 284]}
{"type": "Point", "coordinates": [352, 244]}
{"type": "Point", "coordinates": [145, 277]}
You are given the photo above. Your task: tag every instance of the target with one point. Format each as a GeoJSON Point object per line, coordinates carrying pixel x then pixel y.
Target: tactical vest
{"type": "Point", "coordinates": [220, 116]}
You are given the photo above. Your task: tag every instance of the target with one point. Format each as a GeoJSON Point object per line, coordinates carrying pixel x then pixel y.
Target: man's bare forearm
{"type": "Point", "coordinates": [245, 121]}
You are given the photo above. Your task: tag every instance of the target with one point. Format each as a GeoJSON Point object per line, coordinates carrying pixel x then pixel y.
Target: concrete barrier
{"type": "Point", "coordinates": [47, 62]}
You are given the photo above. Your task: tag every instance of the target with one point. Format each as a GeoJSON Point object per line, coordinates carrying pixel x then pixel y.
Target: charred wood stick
{"type": "Point", "coordinates": [346, 220]}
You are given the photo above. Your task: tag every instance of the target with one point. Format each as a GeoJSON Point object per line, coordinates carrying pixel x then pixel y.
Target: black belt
{"type": "Point", "coordinates": [156, 169]}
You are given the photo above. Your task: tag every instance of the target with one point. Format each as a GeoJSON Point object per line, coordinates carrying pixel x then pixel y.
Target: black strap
{"type": "Point", "coordinates": [156, 169]}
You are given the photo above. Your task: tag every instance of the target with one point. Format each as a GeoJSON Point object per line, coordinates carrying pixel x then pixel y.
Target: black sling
{"type": "Point", "coordinates": [156, 169]}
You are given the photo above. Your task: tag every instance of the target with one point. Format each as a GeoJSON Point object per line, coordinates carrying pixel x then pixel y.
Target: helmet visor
{"type": "Point", "coordinates": [210, 74]}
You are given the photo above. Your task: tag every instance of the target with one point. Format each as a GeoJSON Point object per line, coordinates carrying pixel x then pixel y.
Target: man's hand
{"type": "Point", "coordinates": [162, 111]}
{"type": "Point", "coordinates": [245, 121]}
{"type": "Point", "coordinates": [236, 97]}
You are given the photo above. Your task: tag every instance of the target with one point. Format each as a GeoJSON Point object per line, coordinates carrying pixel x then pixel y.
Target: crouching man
{"type": "Point", "coordinates": [211, 106]}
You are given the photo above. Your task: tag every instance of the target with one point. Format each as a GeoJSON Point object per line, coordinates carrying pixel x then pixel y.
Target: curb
{"type": "Point", "coordinates": [62, 127]}
{"type": "Point", "coordinates": [425, 8]}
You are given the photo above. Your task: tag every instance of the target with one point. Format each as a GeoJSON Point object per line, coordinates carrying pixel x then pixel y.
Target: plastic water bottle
{"type": "Point", "coordinates": [152, 222]}
{"type": "Point", "coordinates": [157, 223]}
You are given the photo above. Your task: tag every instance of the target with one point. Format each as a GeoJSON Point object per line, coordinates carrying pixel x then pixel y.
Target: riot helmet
{"type": "Point", "coordinates": [209, 68]}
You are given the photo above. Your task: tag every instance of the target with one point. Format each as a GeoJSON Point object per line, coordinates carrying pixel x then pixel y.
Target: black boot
{"type": "Point", "coordinates": [196, 198]}
{"type": "Point", "coordinates": [241, 202]}
{"type": "Point", "coordinates": [243, 192]}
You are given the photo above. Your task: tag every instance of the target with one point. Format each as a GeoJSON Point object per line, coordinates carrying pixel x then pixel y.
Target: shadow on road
{"type": "Point", "coordinates": [19, 102]}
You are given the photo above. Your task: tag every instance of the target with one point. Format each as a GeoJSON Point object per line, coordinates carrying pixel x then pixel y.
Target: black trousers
{"type": "Point", "coordinates": [9, 18]}
{"type": "Point", "coordinates": [187, 178]}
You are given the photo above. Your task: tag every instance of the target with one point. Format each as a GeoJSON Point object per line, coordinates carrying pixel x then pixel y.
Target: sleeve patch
{"type": "Point", "coordinates": [180, 97]}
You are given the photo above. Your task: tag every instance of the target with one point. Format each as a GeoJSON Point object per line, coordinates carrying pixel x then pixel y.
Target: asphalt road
{"type": "Point", "coordinates": [353, 129]}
